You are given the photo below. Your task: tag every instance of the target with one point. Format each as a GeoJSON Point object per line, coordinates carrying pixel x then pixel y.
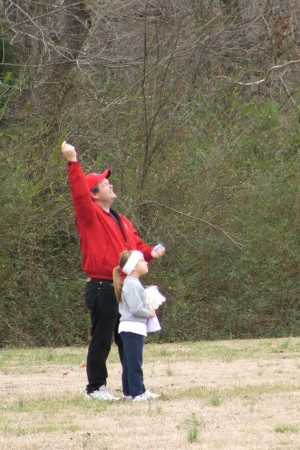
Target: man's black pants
{"type": "Point", "coordinates": [101, 301]}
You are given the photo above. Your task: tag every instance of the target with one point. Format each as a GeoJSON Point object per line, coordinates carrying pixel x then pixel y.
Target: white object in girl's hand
{"type": "Point", "coordinates": [153, 297]}
{"type": "Point", "coordinates": [153, 324]}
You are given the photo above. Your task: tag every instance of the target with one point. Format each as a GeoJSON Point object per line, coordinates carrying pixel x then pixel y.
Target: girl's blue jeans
{"type": "Point", "coordinates": [132, 374]}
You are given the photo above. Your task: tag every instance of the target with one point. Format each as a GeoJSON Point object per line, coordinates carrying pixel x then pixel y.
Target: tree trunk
{"type": "Point", "coordinates": [50, 37]}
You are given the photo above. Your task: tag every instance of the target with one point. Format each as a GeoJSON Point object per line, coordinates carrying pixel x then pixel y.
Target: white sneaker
{"type": "Point", "coordinates": [127, 397]}
{"type": "Point", "coordinates": [150, 395]}
{"type": "Point", "coordinates": [140, 398]}
{"type": "Point", "coordinates": [101, 394]}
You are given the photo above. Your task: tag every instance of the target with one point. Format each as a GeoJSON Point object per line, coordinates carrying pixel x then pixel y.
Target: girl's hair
{"type": "Point", "coordinates": [118, 277]}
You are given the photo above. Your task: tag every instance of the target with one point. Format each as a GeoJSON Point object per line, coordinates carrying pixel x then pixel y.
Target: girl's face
{"type": "Point", "coordinates": [142, 267]}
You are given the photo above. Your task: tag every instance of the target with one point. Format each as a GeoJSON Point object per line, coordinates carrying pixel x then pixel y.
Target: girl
{"type": "Point", "coordinates": [134, 313]}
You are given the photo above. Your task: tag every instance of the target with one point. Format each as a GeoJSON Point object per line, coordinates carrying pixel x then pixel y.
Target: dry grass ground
{"type": "Point", "coordinates": [215, 395]}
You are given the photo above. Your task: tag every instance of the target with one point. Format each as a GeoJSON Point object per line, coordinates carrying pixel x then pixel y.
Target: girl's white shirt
{"type": "Point", "coordinates": [133, 327]}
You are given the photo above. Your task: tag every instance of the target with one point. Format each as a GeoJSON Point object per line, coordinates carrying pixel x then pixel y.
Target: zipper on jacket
{"type": "Point", "coordinates": [119, 223]}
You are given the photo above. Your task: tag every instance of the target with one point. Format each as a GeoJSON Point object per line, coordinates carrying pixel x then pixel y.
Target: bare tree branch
{"type": "Point", "coordinates": [269, 71]}
{"type": "Point", "coordinates": [215, 227]}
{"type": "Point", "coordinates": [289, 94]}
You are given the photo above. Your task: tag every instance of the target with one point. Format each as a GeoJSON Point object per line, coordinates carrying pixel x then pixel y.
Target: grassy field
{"type": "Point", "coordinates": [215, 395]}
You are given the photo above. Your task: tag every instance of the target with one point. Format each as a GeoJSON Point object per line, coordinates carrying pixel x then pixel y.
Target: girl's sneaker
{"type": "Point", "coordinates": [127, 397]}
{"type": "Point", "coordinates": [140, 398]}
{"type": "Point", "coordinates": [150, 395]}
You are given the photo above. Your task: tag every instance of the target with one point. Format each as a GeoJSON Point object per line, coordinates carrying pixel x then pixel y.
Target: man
{"type": "Point", "coordinates": [103, 234]}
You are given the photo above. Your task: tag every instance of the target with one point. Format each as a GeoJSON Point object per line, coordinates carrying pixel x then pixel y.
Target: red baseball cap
{"type": "Point", "coordinates": [94, 178]}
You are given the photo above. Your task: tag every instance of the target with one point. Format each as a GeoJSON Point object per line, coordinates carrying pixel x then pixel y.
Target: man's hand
{"type": "Point", "coordinates": [68, 151]}
{"type": "Point", "coordinates": [158, 252]}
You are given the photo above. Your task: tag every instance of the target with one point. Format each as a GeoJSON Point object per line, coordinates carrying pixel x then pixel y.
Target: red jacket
{"type": "Point", "coordinates": [101, 238]}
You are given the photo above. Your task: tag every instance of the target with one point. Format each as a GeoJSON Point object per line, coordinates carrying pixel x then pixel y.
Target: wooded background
{"type": "Point", "coordinates": [195, 105]}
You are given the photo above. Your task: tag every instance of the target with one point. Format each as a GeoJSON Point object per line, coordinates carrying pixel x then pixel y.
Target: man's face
{"type": "Point", "coordinates": [106, 193]}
